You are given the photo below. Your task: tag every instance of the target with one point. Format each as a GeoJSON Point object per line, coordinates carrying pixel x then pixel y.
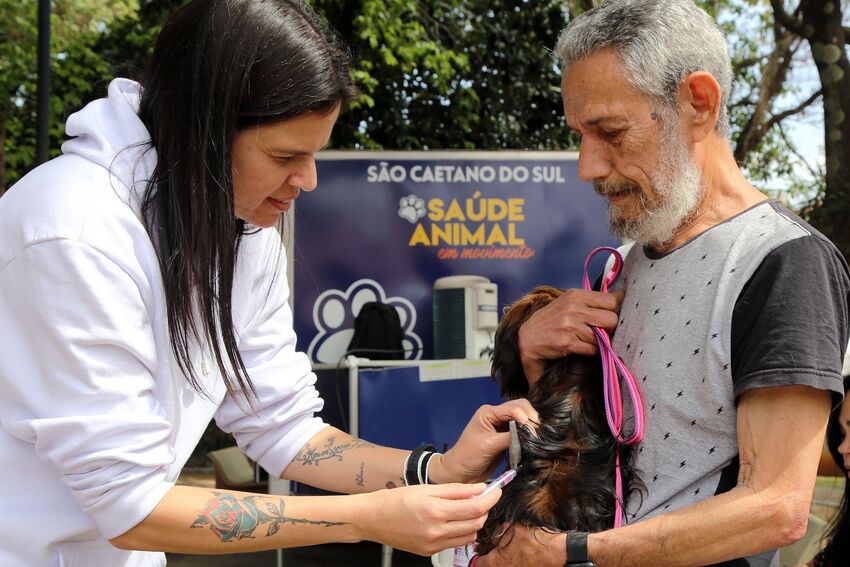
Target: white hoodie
{"type": "Point", "coordinates": [96, 417]}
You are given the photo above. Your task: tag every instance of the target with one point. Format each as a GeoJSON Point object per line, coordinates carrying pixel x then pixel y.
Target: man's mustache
{"type": "Point", "coordinates": [604, 187]}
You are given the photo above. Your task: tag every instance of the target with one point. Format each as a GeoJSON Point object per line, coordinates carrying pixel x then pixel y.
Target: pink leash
{"type": "Point", "coordinates": [613, 370]}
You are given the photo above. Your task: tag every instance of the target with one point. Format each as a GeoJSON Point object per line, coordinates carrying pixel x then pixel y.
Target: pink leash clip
{"type": "Point", "coordinates": [613, 370]}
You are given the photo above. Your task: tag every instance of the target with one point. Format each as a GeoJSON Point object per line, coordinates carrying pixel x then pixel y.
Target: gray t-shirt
{"type": "Point", "coordinates": [759, 300]}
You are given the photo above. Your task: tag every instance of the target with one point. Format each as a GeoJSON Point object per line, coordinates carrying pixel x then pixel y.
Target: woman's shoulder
{"type": "Point", "coordinates": [67, 198]}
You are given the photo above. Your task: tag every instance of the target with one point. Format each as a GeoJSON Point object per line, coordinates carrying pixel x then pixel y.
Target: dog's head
{"type": "Point", "coordinates": [507, 364]}
{"type": "Point", "coordinates": [566, 479]}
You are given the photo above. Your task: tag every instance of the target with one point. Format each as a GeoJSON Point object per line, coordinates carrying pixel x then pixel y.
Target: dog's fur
{"type": "Point", "coordinates": [566, 478]}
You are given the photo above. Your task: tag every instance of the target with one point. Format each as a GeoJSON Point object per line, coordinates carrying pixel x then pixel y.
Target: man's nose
{"type": "Point", "coordinates": [593, 161]}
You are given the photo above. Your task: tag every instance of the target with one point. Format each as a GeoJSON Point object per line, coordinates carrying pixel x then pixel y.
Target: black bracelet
{"type": "Point", "coordinates": [577, 550]}
{"type": "Point", "coordinates": [416, 465]}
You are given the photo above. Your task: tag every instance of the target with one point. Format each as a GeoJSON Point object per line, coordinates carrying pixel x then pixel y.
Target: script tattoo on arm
{"type": "Point", "coordinates": [231, 518]}
{"type": "Point", "coordinates": [310, 455]}
{"type": "Point", "coordinates": [359, 478]}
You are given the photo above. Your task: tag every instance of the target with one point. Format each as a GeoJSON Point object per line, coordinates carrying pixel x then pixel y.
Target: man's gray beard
{"type": "Point", "coordinates": [678, 185]}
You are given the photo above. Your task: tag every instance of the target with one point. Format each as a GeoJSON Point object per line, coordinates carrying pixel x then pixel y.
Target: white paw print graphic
{"type": "Point", "coordinates": [411, 208]}
{"type": "Point", "coordinates": [334, 312]}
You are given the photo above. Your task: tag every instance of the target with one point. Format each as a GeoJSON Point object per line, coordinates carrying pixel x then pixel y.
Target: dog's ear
{"type": "Point", "coordinates": [507, 364]}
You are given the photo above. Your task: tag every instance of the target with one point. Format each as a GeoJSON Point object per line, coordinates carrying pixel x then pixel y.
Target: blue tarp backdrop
{"type": "Point", "coordinates": [384, 225]}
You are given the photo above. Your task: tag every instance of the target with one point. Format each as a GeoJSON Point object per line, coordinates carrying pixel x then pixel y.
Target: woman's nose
{"type": "Point", "coordinates": [844, 448]}
{"type": "Point", "coordinates": [308, 174]}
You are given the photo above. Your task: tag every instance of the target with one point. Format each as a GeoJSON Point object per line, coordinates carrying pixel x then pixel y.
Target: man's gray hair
{"type": "Point", "coordinates": [660, 42]}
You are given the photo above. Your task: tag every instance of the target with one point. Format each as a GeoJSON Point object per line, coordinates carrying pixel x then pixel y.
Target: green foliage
{"type": "Point", "coordinates": [73, 77]}
{"type": "Point", "coordinates": [773, 164]}
{"type": "Point", "coordinates": [455, 74]}
{"type": "Point", "coordinates": [76, 68]}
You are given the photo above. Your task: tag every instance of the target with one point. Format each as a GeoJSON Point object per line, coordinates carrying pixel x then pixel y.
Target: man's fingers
{"type": "Point", "coordinates": [601, 300]}
{"type": "Point", "coordinates": [602, 318]}
{"type": "Point", "coordinates": [584, 348]}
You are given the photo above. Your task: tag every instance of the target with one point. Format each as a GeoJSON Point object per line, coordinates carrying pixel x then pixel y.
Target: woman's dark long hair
{"type": "Point", "coordinates": [838, 536]}
{"type": "Point", "coordinates": [219, 66]}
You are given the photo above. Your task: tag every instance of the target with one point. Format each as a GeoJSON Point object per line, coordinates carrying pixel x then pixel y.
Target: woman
{"type": "Point", "coordinates": [837, 550]}
{"type": "Point", "coordinates": [141, 295]}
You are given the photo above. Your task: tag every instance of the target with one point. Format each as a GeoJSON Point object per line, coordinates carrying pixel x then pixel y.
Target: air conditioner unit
{"type": "Point", "coordinates": [465, 316]}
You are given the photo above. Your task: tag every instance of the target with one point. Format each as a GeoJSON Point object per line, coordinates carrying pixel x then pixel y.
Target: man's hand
{"type": "Point", "coordinates": [484, 439]}
{"type": "Point", "coordinates": [525, 546]}
{"type": "Point", "coordinates": [563, 327]}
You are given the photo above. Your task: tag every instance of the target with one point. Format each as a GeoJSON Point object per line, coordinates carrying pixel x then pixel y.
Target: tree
{"type": "Point", "coordinates": [452, 73]}
{"type": "Point", "coordinates": [75, 25]}
{"type": "Point", "coordinates": [480, 74]}
{"type": "Point", "coordinates": [459, 74]}
{"type": "Point", "coordinates": [820, 23]}
{"type": "Point", "coordinates": [17, 58]}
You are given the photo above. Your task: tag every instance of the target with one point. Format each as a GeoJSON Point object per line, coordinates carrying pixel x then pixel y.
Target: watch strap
{"type": "Point", "coordinates": [577, 550]}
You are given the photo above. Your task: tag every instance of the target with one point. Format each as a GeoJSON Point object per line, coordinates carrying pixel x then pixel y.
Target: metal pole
{"type": "Point", "coordinates": [42, 138]}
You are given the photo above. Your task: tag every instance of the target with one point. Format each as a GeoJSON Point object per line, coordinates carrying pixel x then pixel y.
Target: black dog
{"type": "Point", "coordinates": [566, 478]}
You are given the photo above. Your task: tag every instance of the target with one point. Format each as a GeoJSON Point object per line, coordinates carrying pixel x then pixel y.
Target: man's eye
{"type": "Point", "coordinates": [611, 133]}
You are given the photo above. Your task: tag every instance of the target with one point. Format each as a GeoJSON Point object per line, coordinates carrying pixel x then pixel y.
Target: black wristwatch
{"type": "Point", "coordinates": [577, 550]}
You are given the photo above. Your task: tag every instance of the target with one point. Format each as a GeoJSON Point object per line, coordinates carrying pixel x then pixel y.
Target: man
{"type": "Point", "coordinates": [734, 317]}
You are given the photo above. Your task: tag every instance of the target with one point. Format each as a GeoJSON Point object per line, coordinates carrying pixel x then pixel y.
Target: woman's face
{"type": "Point", "coordinates": [844, 423]}
{"type": "Point", "coordinates": [274, 162]}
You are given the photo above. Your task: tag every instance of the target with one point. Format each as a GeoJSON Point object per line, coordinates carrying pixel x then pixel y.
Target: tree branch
{"type": "Point", "coordinates": [788, 21]}
{"type": "Point", "coordinates": [815, 173]}
{"type": "Point", "coordinates": [791, 112]}
{"type": "Point", "coordinates": [773, 74]}
{"type": "Point", "coordinates": [847, 35]}
{"type": "Point", "coordinates": [746, 101]}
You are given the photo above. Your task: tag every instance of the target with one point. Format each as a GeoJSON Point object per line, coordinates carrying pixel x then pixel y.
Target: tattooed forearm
{"type": "Point", "coordinates": [310, 455]}
{"type": "Point", "coordinates": [359, 477]}
{"type": "Point", "coordinates": [231, 518]}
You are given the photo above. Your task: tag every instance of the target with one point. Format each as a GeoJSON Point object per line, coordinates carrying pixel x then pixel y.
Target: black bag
{"type": "Point", "coordinates": [377, 333]}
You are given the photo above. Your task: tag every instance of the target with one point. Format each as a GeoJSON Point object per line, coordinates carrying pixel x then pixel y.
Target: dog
{"type": "Point", "coordinates": [566, 477]}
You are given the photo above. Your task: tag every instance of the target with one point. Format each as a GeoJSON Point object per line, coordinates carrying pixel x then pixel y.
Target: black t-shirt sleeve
{"type": "Point", "coordinates": [791, 321]}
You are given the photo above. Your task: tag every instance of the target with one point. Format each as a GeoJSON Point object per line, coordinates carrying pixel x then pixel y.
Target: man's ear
{"type": "Point", "coordinates": [700, 97]}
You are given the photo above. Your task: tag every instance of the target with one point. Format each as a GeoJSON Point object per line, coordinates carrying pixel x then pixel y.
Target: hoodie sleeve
{"type": "Point", "coordinates": [282, 376]}
{"type": "Point", "coordinates": [84, 363]}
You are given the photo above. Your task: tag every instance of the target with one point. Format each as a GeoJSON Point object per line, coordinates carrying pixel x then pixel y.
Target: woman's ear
{"type": "Point", "coordinates": [700, 99]}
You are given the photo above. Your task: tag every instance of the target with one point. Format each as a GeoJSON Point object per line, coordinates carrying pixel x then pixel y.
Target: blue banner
{"type": "Point", "coordinates": [382, 226]}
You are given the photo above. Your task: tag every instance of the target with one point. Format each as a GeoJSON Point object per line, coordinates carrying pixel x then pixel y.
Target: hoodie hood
{"type": "Point", "coordinates": [109, 133]}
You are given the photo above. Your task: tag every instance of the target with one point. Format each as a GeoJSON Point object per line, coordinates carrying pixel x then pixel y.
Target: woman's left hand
{"type": "Point", "coordinates": [476, 454]}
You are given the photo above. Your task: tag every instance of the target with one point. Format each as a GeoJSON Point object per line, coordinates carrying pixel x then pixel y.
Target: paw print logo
{"type": "Point", "coordinates": [334, 312]}
{"type": "Point", "coordinates": [411, 208]}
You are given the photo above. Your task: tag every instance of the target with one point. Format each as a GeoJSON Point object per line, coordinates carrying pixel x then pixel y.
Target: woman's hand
{"type": "Point", "coordinates": [476, 454]}
{"type": "Point", "coordinates": [427, 518]}
{"type": "Point", "coordinates": [563, 327]}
